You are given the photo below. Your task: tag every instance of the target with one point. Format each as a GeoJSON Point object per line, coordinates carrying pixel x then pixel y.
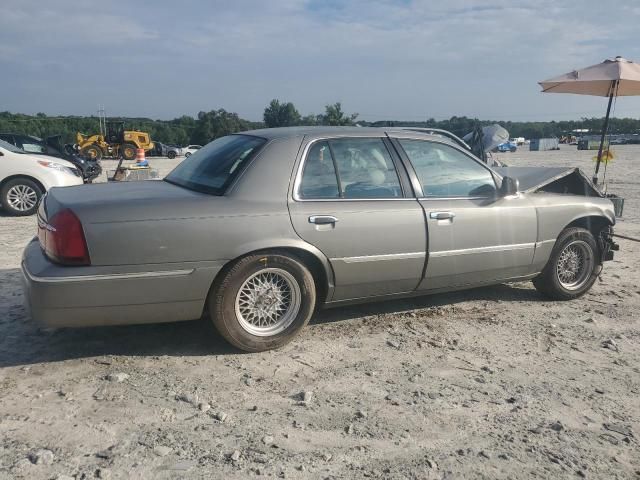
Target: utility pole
{"type": "Point", "coordinates": [102, 120]}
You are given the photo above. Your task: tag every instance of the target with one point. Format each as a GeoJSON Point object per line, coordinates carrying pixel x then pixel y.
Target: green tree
{"type": "Point", "coordinates": [281, 114]}
{"type": "Point", "coordinates": [335, 116]}
{"type": "Point", "coordinates": [217, 123]}
{"type": "Point", "coordinates": [311, 120]}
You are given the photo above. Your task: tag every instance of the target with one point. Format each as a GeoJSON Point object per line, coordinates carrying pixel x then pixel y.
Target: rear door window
{"type": "Point", "coordinates": [350, 168]}
{"type": "Point", "coordinates": [319, 179]}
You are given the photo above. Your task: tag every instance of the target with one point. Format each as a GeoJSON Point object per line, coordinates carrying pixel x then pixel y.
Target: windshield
{"type": "Point", "coordinates": [212, 168]}
{"type": "Point", "coordinates": [11, 148]}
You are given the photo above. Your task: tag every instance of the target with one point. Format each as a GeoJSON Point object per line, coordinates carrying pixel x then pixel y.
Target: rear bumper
{"type": "Point", "coordinates": [59, 296]}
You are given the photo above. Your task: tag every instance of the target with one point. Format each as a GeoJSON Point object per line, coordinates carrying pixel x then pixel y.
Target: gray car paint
{"type": "Point", "coordinates": [156, 248]}
{"type": "Point", "coordinates": [376, 247]}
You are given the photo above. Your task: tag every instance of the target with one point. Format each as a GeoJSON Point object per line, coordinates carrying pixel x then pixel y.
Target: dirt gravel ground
{"type": "Point", "coordinates": [489, 383]}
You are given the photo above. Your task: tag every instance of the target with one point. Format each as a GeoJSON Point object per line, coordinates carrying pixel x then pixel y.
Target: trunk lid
{"type": "Point", "coordinates": [125, 201]}
{"type": "Point", "coordinates": [147, 222]}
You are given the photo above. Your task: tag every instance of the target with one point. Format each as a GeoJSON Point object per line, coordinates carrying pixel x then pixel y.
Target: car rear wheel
{"type": "Point", "coordinates": [572, 268]}
{"type": "Point", "coordinates": [262, 301]}
{"type": "Point", "coordinates": [171, 155]}
{"type": "Point", "coordinates": [20, 197]}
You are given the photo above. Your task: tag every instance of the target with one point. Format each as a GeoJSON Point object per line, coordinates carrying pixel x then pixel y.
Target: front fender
{"type": "Point", "coordinates": [555, 212]}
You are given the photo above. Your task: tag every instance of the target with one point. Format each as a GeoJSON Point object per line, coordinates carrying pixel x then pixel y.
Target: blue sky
{"type": "Point", "coordinates": [386, 59]}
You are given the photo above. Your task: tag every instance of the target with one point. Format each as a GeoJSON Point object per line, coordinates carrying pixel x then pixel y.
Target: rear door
{"type": "Point", "coordinates": [352, 202]}
{"type": "Point", "coordinates": [474, 235]}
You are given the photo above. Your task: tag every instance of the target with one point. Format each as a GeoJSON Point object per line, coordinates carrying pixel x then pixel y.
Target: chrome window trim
{"type": "Point", "coordinates": [379, 258]}
{"type": "Point", "coordinates": [475, 250]}
{"type": "Point", "coordinates": [298, 178]}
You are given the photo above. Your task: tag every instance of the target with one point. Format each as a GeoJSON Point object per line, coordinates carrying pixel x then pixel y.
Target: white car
{"type": "Point", "coordinates": [189, 149]}
{"type": "Point", "coordinates": [24, 178]}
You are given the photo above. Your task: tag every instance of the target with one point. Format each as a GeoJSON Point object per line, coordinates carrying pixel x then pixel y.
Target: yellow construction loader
{"type": "Point", "coordinates": [116, 143]}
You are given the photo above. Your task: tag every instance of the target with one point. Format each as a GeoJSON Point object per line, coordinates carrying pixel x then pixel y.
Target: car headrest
{"type": "Point", "coordinates": [377, 177]}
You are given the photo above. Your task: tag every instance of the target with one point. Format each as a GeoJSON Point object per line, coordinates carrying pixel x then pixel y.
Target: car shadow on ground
{"type": "Point", "coordinates": [22, 342]}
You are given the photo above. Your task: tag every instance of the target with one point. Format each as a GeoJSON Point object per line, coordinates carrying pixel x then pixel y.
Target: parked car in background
{"type": "Point", "coordinates": [190, 149]}
{"type": "Point", "coordinates": [507, 147]}
{"type": "Point", "coordinates": [257, 229]}
{"type": "Point", "coordinates": [24, 177]}
{"type": "Point", "coordinates": [53, 147]}
{"type": "Point", "coordinates": [163, 150]}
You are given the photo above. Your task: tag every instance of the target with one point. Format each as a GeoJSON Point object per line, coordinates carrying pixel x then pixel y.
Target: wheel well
{"type": "Point", "coordinates": [27, 177]}
{"type": "Point", "coordinates": [594, 224]}
{"type": "Point", "coordinates": [308, 259]}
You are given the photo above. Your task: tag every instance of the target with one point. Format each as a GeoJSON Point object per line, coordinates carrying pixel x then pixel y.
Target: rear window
{"type": "Point", "coordinates": [213, 167]}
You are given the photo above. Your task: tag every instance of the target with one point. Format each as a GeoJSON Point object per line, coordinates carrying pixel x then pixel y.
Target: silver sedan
{"type": "Point", "coordinates": [257, 230]}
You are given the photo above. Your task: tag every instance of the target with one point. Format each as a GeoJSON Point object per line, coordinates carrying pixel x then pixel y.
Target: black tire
{"type": "Point", "coordinates": [171, 155]}
{"type": "Point", "coordinates": [187, 155]}
{"type": "Point", "coordinates": [223, 300]}
{"type": "Point", "coordinates": [549, 283]}
{"type": "Point", "coordinates": [20, 197]}
{"type": "Point", "coordinates": [92, 152]}
{"type": "Point", "coordinates": [128, 151]}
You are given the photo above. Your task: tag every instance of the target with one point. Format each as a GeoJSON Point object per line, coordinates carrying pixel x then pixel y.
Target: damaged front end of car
{"type": "Point", "coordinates": [606, 244]}
{"type": "Point", "coordinates": [563, 180]}
{"type": "Point", "coordinates": [569, 181]}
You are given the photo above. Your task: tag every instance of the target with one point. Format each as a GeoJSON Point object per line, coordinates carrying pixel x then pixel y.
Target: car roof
{"type": "Point", "coordinates": [326, 131]}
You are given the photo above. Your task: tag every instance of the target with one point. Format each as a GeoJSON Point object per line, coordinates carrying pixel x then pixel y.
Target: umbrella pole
{"type": "Point", "coordinates": [605, 128]}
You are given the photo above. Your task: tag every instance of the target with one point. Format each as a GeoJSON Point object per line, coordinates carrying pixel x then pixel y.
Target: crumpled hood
{"type": "Point", "coordinates": [570, 180]}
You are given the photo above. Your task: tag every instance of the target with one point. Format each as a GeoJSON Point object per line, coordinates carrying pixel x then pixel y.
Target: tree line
{"type": "Point", "coordinates": [206, 126]}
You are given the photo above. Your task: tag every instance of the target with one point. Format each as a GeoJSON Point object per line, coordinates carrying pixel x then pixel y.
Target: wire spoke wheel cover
{"type": "Point", "coordinates": [22, 198]}
{"type": "Point", "coordinates": [575, 265]}
{"type": "Point", "coordinates": [268, 302]}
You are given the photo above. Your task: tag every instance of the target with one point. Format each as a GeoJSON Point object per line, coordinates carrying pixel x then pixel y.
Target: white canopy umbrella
{"type": "Point", "coordinates": [611, 78]}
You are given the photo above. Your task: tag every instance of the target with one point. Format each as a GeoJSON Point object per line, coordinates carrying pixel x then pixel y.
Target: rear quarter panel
{"type": "Point", "coordinates": [198, 227]}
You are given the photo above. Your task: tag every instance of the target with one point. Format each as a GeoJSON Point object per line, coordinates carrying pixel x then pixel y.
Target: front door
{"type": "Point", "coordinates": [349, 201]}
{"type": "Point", "coordinates": [474, 236]}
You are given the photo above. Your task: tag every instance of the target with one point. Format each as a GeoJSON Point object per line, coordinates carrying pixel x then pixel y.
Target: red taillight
{"type": "Point", "coordinates": [62, 239]}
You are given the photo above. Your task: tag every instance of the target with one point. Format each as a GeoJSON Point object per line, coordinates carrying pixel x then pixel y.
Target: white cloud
{"type": "Point", "coordinates": [382, 58]}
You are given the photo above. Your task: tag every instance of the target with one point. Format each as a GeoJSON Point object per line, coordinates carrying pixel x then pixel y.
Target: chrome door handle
{"type": "Point", "coordinates": [442, 215]}
{"type": "Point", "coordinates": [322, 219]}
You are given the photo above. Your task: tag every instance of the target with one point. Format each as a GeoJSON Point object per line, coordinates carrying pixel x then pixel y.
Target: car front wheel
{"type": "Point", "coordinates": [572, 268]}
{"type": "Point", "coordinates": [263, 301]}
{"type": "Point", "coordinates": [20, 197]}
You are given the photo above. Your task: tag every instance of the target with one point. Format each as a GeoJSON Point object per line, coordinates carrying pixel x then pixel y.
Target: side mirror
{"type": "Point", "coordinates": [509, 187]}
